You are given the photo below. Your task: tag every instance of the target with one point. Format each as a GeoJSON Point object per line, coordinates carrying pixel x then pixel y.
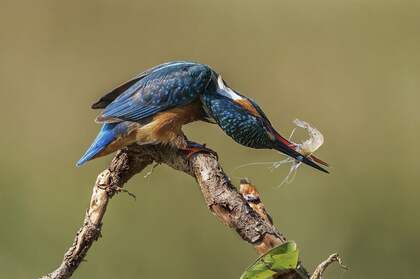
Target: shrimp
{"type": "Point", "coordinates": [306, 148]}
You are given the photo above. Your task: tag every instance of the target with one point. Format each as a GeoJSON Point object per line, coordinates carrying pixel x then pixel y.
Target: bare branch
{"type": "Point", "coordinates": [222, 198]}
{"type": "Point", "coordinates": [122, 168]}
{"type": "Point", "coordinates": [323, 266]}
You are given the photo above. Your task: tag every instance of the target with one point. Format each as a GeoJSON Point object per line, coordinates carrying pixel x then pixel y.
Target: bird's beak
{"type": "Point", "coordinates": [288, 148]}
{"type": "Point", "coordinates": [319, 161]}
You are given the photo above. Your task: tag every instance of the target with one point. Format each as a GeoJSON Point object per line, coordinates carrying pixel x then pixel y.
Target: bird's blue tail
{"type": "Point", "coordinates": [102, 140]}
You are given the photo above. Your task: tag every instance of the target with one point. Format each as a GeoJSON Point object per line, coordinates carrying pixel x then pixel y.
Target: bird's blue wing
{"type": "Point", "coordinates": [122, 88]}
{"type": "Point", "coordinates": [175, 84]}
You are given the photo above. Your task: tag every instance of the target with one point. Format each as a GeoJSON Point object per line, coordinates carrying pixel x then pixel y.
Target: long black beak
{"type": "Point", "coordinates": [286, 149]}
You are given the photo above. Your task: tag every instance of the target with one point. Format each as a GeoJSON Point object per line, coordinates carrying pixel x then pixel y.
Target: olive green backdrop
{"type": "Point", "coordinates": [351, 68]}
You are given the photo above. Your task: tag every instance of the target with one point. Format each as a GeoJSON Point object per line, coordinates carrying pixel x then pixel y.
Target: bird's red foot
{"type": "Point", "coordinates": [194, 148]}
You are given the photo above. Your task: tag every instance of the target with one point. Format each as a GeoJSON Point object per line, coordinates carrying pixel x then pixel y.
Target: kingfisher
{"type": "Point", "coordinates": [152, 107]}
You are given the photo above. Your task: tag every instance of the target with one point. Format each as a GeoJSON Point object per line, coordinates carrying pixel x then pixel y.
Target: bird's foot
{"type": "Point", "coordinates": [195, 148]}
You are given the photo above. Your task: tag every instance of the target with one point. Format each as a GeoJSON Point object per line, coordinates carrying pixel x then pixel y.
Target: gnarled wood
{"type": "Point", "coordinates": [221, 197]}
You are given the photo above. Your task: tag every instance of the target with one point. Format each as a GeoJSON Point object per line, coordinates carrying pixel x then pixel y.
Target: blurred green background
{"type": "Point", "coordinates": [351, 68]}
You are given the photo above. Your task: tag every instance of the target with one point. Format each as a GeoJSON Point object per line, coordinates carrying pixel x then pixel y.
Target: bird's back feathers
{"type": "Point", "coordinates": [165, 87]}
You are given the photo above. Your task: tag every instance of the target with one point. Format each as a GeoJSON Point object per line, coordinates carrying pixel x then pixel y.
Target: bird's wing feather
{"type": "Point", "coordinates": [111, 96]}
{"type": "Point", "coordinates": [130, 84]}
{"type": "Point", "coordinates": [162, 89]}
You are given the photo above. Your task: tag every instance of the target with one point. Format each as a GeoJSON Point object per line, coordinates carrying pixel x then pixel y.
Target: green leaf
{"type": "Point", "coordinates": [279, 259]}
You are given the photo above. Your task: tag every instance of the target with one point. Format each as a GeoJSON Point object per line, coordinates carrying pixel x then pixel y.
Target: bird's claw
{"type": "Point", "coordinates": [195, 148]}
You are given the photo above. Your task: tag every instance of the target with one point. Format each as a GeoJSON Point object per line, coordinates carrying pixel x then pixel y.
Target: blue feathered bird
{"type": "Point", "coordinates": [152, 107]}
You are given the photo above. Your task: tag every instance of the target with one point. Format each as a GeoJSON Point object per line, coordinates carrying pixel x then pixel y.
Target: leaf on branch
{"type": "Point", "coordinates": [280, 259]}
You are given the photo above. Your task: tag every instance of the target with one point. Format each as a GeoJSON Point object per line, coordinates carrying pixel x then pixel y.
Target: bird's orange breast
{"type": "Point", "coordinates": [165, 126]}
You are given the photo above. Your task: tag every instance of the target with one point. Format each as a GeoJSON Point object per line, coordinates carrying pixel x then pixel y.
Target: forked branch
{"type": "Point", "coordinates": [222, 198]}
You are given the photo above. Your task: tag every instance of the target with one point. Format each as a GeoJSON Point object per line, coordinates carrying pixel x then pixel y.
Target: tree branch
{"type": "Point", "coordinates": [220, 195]}
{"type": "Point", "coordinates": [319, 271]}
{"type": "Point", "coordinates": [124, 165]}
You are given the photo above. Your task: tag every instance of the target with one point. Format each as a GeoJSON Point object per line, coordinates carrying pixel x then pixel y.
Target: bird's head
{"type": "Point", "coordinates": [247, 124]}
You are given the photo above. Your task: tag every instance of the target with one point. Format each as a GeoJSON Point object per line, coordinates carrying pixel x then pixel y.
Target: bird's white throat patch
{"type": "Point", "coordinates": [226, 91]}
